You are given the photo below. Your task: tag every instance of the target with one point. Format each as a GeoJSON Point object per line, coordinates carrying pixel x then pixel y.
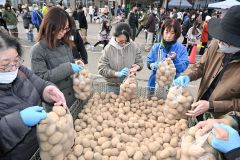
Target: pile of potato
{"type": "Point", "coordinates": [165, 73]}
{"type": "Point", "coordinates": [128, 89]}
{"type": "Point", "coordinates": [177, 103]}
{"type": "Point", "coordinates": [56, 134]}
{"type": "Point", "coordinates": [112, 128]}
{"type": "Point", "coordinates": [82, 84]}
{"type": "Point", "coordinates": [195, 147]}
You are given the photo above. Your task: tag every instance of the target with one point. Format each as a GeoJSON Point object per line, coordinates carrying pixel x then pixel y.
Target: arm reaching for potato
{"type": "Point", "coordinates": [206, 126]}
{"type": "Point", "coordinates": [52, 94]}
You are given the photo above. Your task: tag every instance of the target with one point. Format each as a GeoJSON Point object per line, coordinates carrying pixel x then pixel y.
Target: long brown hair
{"type": "Point", "coordinates": [53, 22]}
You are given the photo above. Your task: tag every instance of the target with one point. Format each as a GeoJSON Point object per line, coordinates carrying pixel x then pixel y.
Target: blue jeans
{"type": "Point", "coordinates": [30, 36]}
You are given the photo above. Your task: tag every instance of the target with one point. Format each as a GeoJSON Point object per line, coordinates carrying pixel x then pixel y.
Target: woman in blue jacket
{"type": "Point", "coordinates": [168, 48]}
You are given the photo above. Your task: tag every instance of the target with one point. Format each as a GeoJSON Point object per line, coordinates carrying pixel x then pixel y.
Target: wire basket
{"type": "Point", "coordinates": [101, 86]}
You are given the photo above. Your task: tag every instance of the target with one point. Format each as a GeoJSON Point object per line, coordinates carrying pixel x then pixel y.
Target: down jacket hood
{"type": "Point", "coordinates": [115, 44]}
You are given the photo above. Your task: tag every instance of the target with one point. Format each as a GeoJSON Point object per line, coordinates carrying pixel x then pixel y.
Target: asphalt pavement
{"type": "Point", "coordinates": [93, 56]}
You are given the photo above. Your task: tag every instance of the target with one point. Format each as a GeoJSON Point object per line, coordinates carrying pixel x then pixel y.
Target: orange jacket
{"type": "Point", "coordinates": [204, 37]}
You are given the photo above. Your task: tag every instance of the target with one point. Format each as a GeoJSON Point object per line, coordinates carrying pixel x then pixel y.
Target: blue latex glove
{"type": "Point", "coordinates": [154, 66]}
{"type": "Point", "coordinates": [76, 68]}
{"type": "Point", "coordinates": [123, 72]}
{"type": "Point", "coordinates": [32, 115]}
{"type": "Point", "coordinates": [181, 81]}
{"type": "Point", "coordinates": [231, 143]}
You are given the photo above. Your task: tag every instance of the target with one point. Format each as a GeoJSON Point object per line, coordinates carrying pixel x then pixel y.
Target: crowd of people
{"type": "Point", "coordinates": [59, 53]}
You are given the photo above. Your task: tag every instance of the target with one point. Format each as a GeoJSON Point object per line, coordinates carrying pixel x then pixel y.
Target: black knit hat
{"type": "Point", "coordinates": [122, 28]}
{"type": "Point", "coordinates": [228, 28]}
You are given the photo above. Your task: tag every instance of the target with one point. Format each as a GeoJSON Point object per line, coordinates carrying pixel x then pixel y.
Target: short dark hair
{"type": "Point", "coordinates": [52, 23]}
{"type": "Point", "coordinates": [123, 29]}
{"type": "Point", "coordinates": [7, 42]}
{"type": "Point", "coordinates": [7, 5]}
{"type": "Point", "coordinates": [172, 23]}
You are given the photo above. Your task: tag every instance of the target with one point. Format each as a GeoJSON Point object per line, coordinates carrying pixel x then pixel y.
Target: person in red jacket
{"type": "Point", "coordinates": [204, 37]}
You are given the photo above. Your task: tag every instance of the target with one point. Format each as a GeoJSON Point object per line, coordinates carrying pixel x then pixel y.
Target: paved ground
{"type": "Point", "coordinates": [94, 56]}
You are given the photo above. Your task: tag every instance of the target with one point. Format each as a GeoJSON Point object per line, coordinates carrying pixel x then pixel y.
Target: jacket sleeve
{"type": "Point", "coordinates": [103, 65]}
{"type": "Point", "coordinates": [150, 56]}
{"type": "Point", "coordinates": [39, 67]}
{"type": "Point", "coordinates": [197, 70]}
{"type": "Point", "coordinates": [149, 21]}
{"type": "Point", "coordinates": [182, 62]}
{"type": "Point", "coordinates": [233, 154]}
{"type": "Point", "coordinates": [138, 59]}
{"type": "Point", "coordinates": [12, 131]}
{"type": "Point", "coordinates": [227, 105]}
{"type": "Point", "coordinates": [38, 82]}
{"type": "Point", "coordinates": [81, 48]}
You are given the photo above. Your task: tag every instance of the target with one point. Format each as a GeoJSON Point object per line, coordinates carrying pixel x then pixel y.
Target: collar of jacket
{"type": "Point", "coordinates": [113, 43]}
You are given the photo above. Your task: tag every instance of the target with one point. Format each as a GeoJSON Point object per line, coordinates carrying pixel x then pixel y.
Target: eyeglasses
{"type": "Point", "coordinates": [66, 29]}
{"type": "Point", "coordinates": [8, 65]}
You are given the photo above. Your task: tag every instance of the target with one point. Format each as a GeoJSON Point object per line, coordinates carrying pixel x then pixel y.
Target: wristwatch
{"type": "Point", "coordinates": [211, 107]}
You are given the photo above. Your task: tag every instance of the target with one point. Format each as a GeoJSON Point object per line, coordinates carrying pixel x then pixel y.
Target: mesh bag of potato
{"type": "Point", "coordinates": [56, 134]}
{"type": "Point", "coordinates": [82, 84]}
{"type": "Point", "coordinates": [128, 89]}
{"type": "Point", "coordinates": [194, 146]}
{"type": "Point", "coordinates": [165, 73]}
{"type": "Point", "coordinates": [177, 103]}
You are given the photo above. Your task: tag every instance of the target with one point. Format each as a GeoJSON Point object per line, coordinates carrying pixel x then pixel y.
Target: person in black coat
{"type": "Point", "coordinates": [133, 21]}
{"type": "Point", "coordinates": [83, 24]}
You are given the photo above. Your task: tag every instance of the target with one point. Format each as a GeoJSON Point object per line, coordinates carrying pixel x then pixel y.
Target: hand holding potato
{"type": "Point", "coordinates": [199, 108]}
{"type": "Point", "coordinates": [53, 94]}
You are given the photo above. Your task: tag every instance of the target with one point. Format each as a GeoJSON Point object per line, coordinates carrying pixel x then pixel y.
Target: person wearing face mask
{"type": "Point", "coordinates": [143, 21]}
{"type": "Point", "coordinates": [27, 22]}
{"type": "Point", "coordinates": [218, 69]}
{"type": "Point", "coordinates": [120, 57]}
{"type": "Point", "coordinates": [51, 57]}
{"type": "Point", "coordinates": [11, 20]}
{"type": "Point", "coordinates": [21, 93]}
{"type": "Point", "coordinates": [167, 48]}
{"type": "Point", "coordinates": [132, 20]}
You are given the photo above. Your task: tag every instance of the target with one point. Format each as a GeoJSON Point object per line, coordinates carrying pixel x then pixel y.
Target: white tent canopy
{"type": "Point", "coordinates": [224, 4]}
{"type": "Point", "coordinates": [179, 3]}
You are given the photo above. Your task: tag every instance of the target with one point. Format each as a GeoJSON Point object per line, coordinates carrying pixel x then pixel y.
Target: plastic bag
{"type": "Point", "coordinates": [56, 134]}
{"type": "Point", "coordinates": [177, 103]}
{"type": "Point", "coordinates": [128, 89]}
{"type": "Point", "coordinates": [165, 73]}
{"type": "Point", "coordinates": [194, 146]}
{"type": "Point", "coordinates": [82, 84]}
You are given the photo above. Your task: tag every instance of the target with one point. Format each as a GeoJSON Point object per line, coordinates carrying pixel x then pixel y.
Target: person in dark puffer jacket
{"type": "Point", "coordinates": [21, 93]}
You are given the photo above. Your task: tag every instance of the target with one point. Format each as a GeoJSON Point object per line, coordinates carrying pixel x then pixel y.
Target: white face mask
{"type": "Point", "coordinates": [8, 77]}
{"type": "Point", "coordinates": [225, 48]}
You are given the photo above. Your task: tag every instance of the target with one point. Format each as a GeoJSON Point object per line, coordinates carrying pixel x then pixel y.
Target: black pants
{"type": "Point", "coordinates": [202, 50]}
{"type": "Point", "coordinates": [189, 49]}
{"type": "Point", "coordinates": [91, 16]}
{"type": "Point", "coordinates": [184, 41]}
{"type": "Point", "coordinates": [139, 30]}
{"type": "Point", "coordinates": [104, 42]}
{"type": "Point", "coordinates": [133, 33]}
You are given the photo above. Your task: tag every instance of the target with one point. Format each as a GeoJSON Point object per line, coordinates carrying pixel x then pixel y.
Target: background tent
{"type": "Point", "coordinates": [179, 4]}
{"type": "Point", "coordinates": [224, 4]}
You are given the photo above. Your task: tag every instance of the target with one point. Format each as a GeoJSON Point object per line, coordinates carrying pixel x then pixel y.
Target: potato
{"type": "Point", "coordinates": [41, 128]}
{"type": "Point", "coordinates": [52, 117]}
{"type": "Point", "coordinates": [55, 138]}
{"type": "Point", "coordinates": [153, 147]}
{"type": "Point", "coordinates": [130, 151]}
{"type": "Point", "coordinates": [56, 150]}
{"type": "Point", "coordinates": [138, 155]}
{"type": "Point", "coordinates": [71, 157]}
{"type": "Point", "coordinates": [59, 110]}
{"type": "Point", "coordinates": [78, 149]}
{"type": "Point", "coordinates": [192, 131]}
{"type": "Point", "coordinates": [196, 151]}
{"type": "Point", "coordinates": [88, 155]}
{"type": "Point", "coordinates": [45, 146]}
{"type": "Point", "coordinates": [97, 156]}
{"type": "Point", "coordinates": [51, 130]}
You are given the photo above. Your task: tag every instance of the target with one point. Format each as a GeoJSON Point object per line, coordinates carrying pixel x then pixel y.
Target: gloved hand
{"type": "Point", "coordinates": [181, 81]}
{"type": "Point", "coordinates": [32, 115]}
{"type": "Point", "coordinates": [231, 143]}
{"type": "Point", "coordinates": [76, 68]}
{"type": "Point", "coordinates": [154, 66]}
{"type": "Point", "coordinates": [122, 73]}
